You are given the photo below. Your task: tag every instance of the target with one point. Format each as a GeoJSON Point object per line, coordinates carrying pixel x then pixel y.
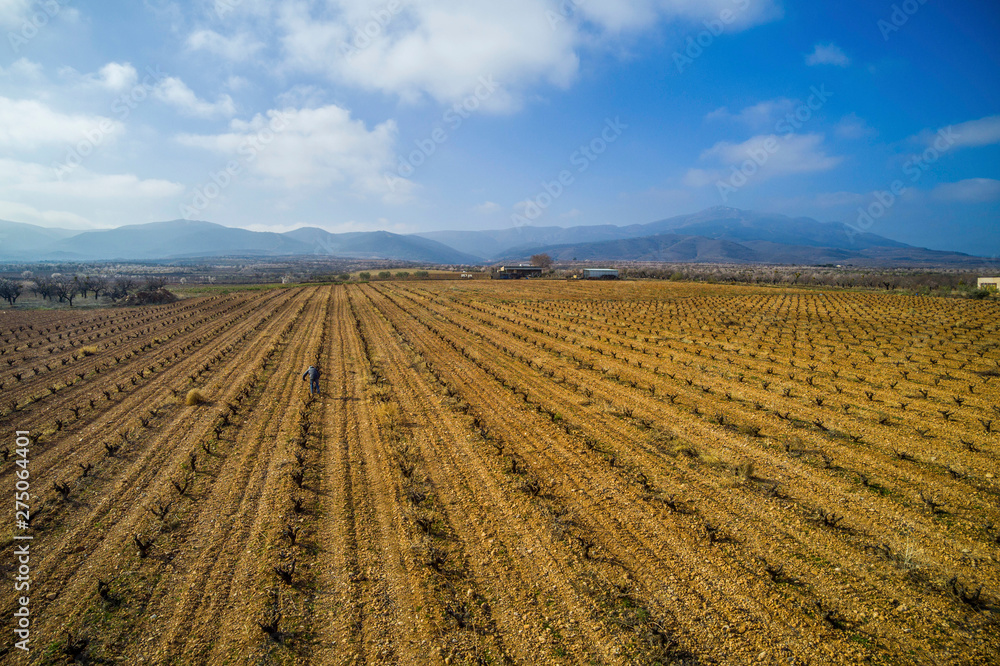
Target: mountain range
{"type": "Point", "coordinates": [187, 239]}
{"type": "Point", "coordinates": [716, 235]}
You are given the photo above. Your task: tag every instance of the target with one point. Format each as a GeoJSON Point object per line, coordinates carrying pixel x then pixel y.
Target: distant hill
{"type": "Point", "coordinates": [699, 249]}
{"type": "Point", "coordinates": [17, 238]}
{"type": "Point", "coordinates": [185, 239]}
{"type": "Point", "coordinates": [719, 234]}
{"type": "Point", "coordinates": [664, 247]}
{"type": "Point", "coordinates": [379, 245]}
{"type": "Point", "coordinates": [719, 223]}
{"type": "Point", "coordinates": [714, 235]}
{"type": "Point", "coordinates": [172, 240]}
{"type": "Point", "coordinates": [500, 242]}
{"type": "Point", "coordinates": [738, 226]}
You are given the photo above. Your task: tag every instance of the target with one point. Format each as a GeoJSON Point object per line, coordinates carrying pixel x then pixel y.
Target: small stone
{"type": "Point", "coordinates": [51, 596]}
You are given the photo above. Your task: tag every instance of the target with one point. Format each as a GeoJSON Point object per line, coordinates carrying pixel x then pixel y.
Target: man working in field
{"type": "Point", "coordinates": [313, 374]}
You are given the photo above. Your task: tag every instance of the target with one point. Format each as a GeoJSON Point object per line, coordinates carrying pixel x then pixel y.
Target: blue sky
{"type": "Point", "coordinates": [416, 115]}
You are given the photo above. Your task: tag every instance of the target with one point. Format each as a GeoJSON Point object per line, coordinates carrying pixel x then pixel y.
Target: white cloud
{"type": "Point", "coordinates": [117, 76]}
{"type": "Point", "coordinates": [175, 92]}
{"type": "Point", "coordinates": [442, 48]}
{"type": "Point", "coordinates": [770, 154]}
{"type": "Point", "coordinates": [230, 10]}
{"type": "Point", "coordinates": [106, 187]}
{"type": "Point", "coordinates": [701, 177]}
{"type": "Point", "coordinates": [15, 15]}
{"type": "Point", "coordinates": [828, 54]}
{"type": "Point", "coordinates": [320, 147]}
{"type": "Point", "coordinates": [796, 153]}
{"type": "Point", "coordinates": [615, 15]}
{"type": "Point", "coordinates": [113, 76]}
{"type": "Point", "coordinates": [853, 127]}
{"type": "Point", "coordinates": [22, 69]}
{"type": "Point", "coordinates": [34, 193]}
{"type": "Point", "coordinates": [14, 12]}
{"type": "Point", "coordinates": [28, 124]}
{"type": "Point", "coordinates": [239, 47]}
{"type": "Point", "coordinates": [974, 133]}
{"type": "Point", "coordinates": [237, 83]}
{"type": "Point", "coordinates": [488, 207]}
{"type": "Point", "coordinates": [972, 190]}
{"type": "Point", "coordinates": [22, 212]}
{"type": "Point", "coordinates": [31, 178]}
{"type": "Point", "coordinates": [759, 116]}
{"type": "Point", "coordinates": [302, 96]}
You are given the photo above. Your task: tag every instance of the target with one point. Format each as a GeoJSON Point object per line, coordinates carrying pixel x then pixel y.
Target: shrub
{"type": "Point", "coordinates": [194, 397]}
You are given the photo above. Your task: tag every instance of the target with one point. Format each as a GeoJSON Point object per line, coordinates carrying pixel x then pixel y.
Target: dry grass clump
{"type": "Point", "coordinates": [88, 351]}
{"type": "Point", "coordinates": [389, 414]}
{"type": "Point", "coordinates": [194, 397]}
{"type": "Point", "coordinates": [744, 472]}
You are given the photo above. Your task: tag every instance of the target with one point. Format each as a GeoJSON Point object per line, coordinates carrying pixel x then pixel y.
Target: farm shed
{"type": "Point", "coordinates": [517, 272]}
{"type": "Point", "coordinates": [600, 274]}
{"type": "Point", "coordinates": [989, 283]}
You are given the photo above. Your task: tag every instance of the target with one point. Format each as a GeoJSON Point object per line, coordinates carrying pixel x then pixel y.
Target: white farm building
{"type": "Point", "coordinates": [600, 274]}
{"type": "Point", "coordinates": [989, 283]}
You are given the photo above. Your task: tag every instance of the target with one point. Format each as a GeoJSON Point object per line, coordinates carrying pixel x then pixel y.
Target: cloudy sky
{"type": "Point", "coordinates": [414, 115]}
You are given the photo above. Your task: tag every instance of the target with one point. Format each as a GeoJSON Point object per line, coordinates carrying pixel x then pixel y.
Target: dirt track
{"type": "Point", "coordinates": [512, 473]}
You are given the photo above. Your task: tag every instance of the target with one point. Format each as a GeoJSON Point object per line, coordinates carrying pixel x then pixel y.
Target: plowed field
{"type": "Point", "coordinates": [494, 473]}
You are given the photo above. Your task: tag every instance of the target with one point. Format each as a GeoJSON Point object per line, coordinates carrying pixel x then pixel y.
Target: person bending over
{"type": "Point", "coordinates": [313, 374]}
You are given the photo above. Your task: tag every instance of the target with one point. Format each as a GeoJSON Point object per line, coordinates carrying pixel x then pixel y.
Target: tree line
{"type": "Point", "coordinates": [67, 288]}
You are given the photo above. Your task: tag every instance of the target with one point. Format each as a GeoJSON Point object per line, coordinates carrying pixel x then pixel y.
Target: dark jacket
{"type": "Point", "coordinates": [311, 373]}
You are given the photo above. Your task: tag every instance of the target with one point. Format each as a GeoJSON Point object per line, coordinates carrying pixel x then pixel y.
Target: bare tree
{"type": "Point", "coordinates": [10, 290]}
{"type": "Point", "coordinates": [68, 288]}
{"type": "Point", "coordinates": [99, 285]}
{"type": "Point", "coordinates": [121, 287]}
{"type": "Point", "coordinates": [542, 260]}
{"type": "Point", "coordinates": [44, 287]}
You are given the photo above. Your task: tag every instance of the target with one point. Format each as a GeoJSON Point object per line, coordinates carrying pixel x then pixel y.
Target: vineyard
{"type": "Point", "coordinates": [509, 473]}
